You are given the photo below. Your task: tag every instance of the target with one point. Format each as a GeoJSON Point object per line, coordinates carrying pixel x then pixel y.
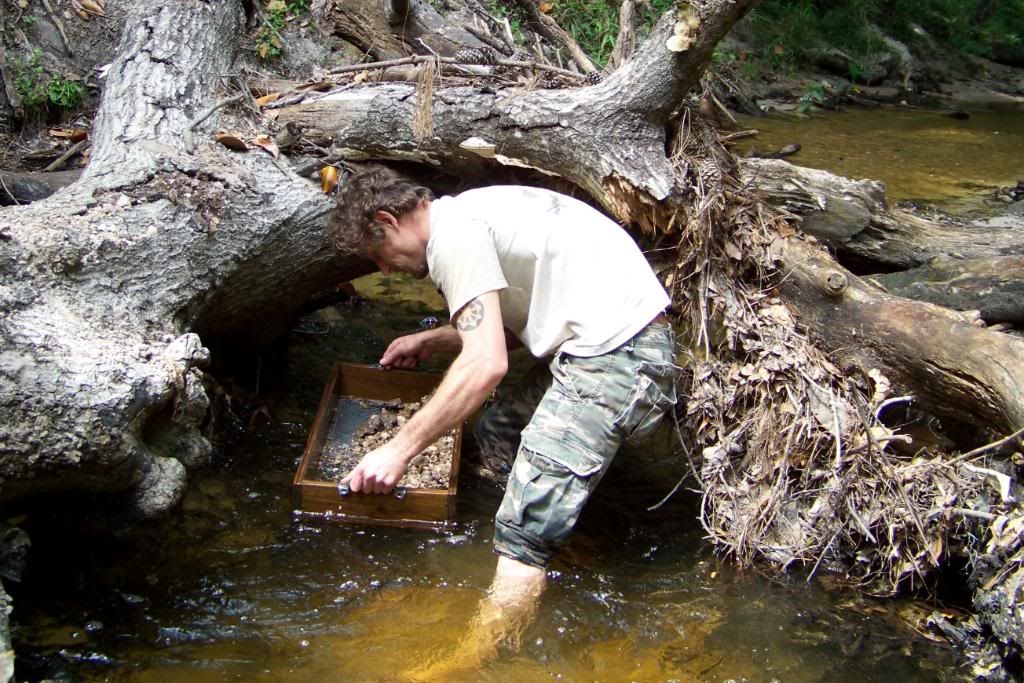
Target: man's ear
{"type": "Point", "coordinates": [385, 218]}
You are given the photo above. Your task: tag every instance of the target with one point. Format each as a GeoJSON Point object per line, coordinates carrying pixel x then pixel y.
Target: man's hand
{"type": "Point", "coordinates": [378, 471]}
{"type": "Point", "coordinates": [406, 352]}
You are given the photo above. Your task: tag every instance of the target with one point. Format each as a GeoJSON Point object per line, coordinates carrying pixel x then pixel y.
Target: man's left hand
{"type": "Point", "coordinates": [378, 471]}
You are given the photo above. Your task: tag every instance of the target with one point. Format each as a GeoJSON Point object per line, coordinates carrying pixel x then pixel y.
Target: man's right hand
{"type": "Point", "coordinates": [378, 471]}
{"type": "Point", "coordinates": [406, 352]}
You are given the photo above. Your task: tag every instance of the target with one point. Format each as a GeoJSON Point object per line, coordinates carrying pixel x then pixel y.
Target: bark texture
{"type": "Point", "coordinates": [106, 283]}
{"type": "Point", "coordinates": [992, 286]}
{"type": "Point", "coordinates": [609, 139]}
{"type": "Point", "coordinates": [401, 30]}
{"type": "Point", "coordinates": [853, 218]}
{"type": "Point", "coordinates": [931, 351]}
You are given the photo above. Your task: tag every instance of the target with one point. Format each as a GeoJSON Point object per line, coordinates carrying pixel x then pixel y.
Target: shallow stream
{"type": "Point", "coordinates": [233, 586]}
{"type": "Point", "coordinates": [921, 156]}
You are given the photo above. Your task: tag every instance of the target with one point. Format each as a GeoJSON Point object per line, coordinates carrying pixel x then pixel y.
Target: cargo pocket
{"type": "Point", "coordinates": [552, 455]}
{"type": "Point", "coordinates": [549, 486]}
{"type": "Point", "coordinates": [653, 394]}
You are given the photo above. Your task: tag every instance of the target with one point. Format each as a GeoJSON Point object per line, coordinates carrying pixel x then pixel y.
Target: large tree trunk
{"type": "Point", "coordinates": [106, 282]}
{"type": "Point", "coordinates": [926, 349]}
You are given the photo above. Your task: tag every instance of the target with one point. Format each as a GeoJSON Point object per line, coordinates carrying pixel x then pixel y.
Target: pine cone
{"type": "Point", "coordinates": [594, 77]}
{"type": "Point", "coordinates": [550, 80]}
{"type": "Point", "coordinates": [476, 55]}
{"type": "Point", "coordinates": [521, 56]}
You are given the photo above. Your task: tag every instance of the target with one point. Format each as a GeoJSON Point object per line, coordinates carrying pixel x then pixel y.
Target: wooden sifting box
{"type": "Point", "coordinates": [338, 417]}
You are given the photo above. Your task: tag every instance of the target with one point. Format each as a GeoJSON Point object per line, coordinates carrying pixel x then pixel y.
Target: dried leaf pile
{"type": "Point", "coordinates": [792, 460]}
{"type": "Point", "coordinates": [430, 469]}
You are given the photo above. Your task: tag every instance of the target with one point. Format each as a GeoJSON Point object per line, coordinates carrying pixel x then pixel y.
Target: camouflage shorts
{"type": "Point", "coordinates": [573, 414]}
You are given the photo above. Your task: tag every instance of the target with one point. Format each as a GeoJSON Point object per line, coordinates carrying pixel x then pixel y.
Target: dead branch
{"type": "Point", "coordinates": [625, 42]}
{"type": "Point", "coordinates": [63, 158]}
{"type": "Point", "coordinates": [556, 35]}
{"type": "Point", "coordinates": [451, 61]}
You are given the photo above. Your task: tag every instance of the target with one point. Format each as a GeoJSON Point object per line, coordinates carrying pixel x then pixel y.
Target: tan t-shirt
{"type": "Point", "coordinates": [567, 276]}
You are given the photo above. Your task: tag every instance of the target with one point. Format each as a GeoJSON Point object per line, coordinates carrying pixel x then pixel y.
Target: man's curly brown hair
{"type": "Point", "coordinates": [352, 228]}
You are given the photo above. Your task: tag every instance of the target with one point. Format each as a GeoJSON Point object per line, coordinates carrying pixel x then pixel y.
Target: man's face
{"type": "Point", "coordinates": [399, 251]}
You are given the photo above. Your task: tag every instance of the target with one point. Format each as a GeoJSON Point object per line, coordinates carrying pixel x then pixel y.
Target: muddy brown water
{"type": "Point", "coordinates": [235, 587]}
{"type": "Point", "coordinates": [921, 156]}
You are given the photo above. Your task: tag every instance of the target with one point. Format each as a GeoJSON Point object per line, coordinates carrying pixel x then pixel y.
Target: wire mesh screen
{"type": "Point", "coordinates": [349, 414]}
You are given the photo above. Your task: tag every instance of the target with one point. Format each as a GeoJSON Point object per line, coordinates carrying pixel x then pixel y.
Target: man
{"type": "Point", "coordinates": [519, 265]}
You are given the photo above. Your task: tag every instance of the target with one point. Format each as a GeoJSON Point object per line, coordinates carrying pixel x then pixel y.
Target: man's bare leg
{"type": "Point", "coordinates": [502, 618]}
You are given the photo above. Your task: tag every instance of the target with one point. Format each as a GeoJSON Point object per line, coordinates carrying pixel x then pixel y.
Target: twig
{"type": "Point", "coordinates": [976, 514]}
{"type": "Point", "coordinates": [740, 134]}
{"type": "Point", "coordinates": [59, 25]}
{"type": "Point", "coordinates": [250, 100]}
{"type": "Point", "coordinates": [75, 149]}
{"type": "Point", "coordinates": [625, 43]}
{"type": "Point", "coordinates": [689, 460]}
{"type": "Point", "coordinates": [995, 445]}
{"type": "Point", "coordinates": [209, 112]}
{"type": "Point", "coordinates": [287, 98]}
{"type": "Point", "coordinates": [722, 108]}
{"type": "Point", "coordinates": [8, 191]}
{"type": "Point", "coordinates": [824, 552]}
{"type": "Point", "coordinates": [488, 39]}
{"type": "Point", "coordinates": [308, 167]}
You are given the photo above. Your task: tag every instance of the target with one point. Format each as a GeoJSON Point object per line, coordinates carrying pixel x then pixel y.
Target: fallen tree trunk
{"type": "Point", "coordinates": [853, 218]}
{"type": "Point", "coordinates": [947, 363]}
{"type": "Point", "coordinates": [106, 281]}
{"type": "Point", "coordinates": [992, 286]}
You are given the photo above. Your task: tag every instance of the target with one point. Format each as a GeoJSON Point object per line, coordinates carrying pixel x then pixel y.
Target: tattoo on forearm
{"type": "Point", "coordinates": [470, 317]}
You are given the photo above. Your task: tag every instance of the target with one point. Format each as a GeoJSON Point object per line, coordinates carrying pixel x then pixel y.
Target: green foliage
{"type": "Point", "coordinates": [30, 79]}
{"type": "Point", "coordinates": [788, 30]}
{"type": "Point", "coordinates": [813, 94]}
{"type": "Point", "coordinates": [65, 93]}
{"type": "Point", "coordinates": [278, 13]}
{"type": "Point", "coordinates": [38, 89]}
{"type": "Point", "coordinates": [515, 17]}
{"type": "Point", "coordinates": [594, 24]}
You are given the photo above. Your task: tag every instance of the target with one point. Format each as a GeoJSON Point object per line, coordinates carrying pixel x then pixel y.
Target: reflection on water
{"type": "Point", "coordinates": [232, 587]}
{"type": "Point", "coordinates": [919, 155]}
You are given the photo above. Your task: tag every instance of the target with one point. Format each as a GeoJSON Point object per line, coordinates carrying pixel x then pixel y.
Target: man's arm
{"type": "Point", "coordinates": [474, 374]}
{"type": "Point", "coordinates": [407, 351]}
